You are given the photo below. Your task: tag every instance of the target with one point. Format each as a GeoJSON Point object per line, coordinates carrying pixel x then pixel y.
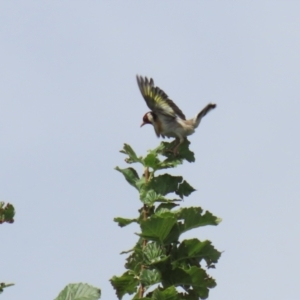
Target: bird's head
{"type": "Point", "coordinates": [148, 118]}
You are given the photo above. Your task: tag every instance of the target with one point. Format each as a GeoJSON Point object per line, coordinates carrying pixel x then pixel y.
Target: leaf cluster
{"type": "Point", "coordinates": [160, 263]}
{"type": "Point", "coordinates": [7, 213]}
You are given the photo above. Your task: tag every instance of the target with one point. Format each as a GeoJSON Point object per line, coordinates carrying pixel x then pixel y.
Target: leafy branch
{"type": "Point", "coordinates": [159, 263]}
{"type": "Point", "coordinates": [4, 285]}
{"type": "Point", "coordinates": [7, 213]}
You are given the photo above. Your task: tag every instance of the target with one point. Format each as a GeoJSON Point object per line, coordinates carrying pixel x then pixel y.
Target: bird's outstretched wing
{"type": "Point", "coordinates": [156, 99]}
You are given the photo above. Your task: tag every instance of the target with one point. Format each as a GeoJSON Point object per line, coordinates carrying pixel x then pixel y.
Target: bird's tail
{"type": "Point", "coordinates": [202, 113]}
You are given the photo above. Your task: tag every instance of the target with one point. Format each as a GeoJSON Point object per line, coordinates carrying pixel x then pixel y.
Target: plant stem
{"type": "Point", "coordinates": [145, 216]}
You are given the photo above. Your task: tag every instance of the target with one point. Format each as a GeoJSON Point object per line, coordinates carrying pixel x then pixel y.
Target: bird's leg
{"type": "Point", "coordinates": [175, 150]}
{"type": "Point", "coordinates": [171, 150]}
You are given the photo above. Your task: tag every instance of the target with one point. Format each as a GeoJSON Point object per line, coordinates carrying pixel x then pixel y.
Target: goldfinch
{"type": "Point", "coordinates": [165, 116]}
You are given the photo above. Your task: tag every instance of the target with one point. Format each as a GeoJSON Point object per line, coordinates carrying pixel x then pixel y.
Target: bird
{"type": "Point", "coordinates": [166, 117]}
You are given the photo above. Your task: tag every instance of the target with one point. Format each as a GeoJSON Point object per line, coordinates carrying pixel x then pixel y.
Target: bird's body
{"type": "Point", "coordinates": [172, 127]}
{"type": "Point", "coordinates": [165, 116]}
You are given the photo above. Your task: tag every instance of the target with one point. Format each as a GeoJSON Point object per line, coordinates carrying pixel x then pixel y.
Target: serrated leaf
{"type": "Point", "coordinates": [194, 278]}
{"type": "Point", "coordinates": [192, 217]}
{"type": "Point", "coordinates": [151, 160]}
{"type": "Point", "coordinates": [149, 277]}
{"type": "Point", "coordinates": [157, 228]}
{"type": "Point", "coordinates": [153, 253]}
{"type": "Point", "coordinates": [184, 151]}
{"type": "Point", "coordinates": [130, 175]}
{"type": "Point", "coordinates": [176, 277]}
{"type": "Point", "coordinates": [170, 162]}
{"type": "Point", "coordinates": [124, 222]}
{"type": "Point", "coordinates": [164, 184]}
{"type": "Point", "coordinates": [160, 148]}
{"type": "Point", "coordinates": [185, 189]}
{"type": "Point", "coordinates": [201, 281]}
{"type": "Point", "coordinates": [165, 294]}
{"type": "Point", "coordinates": [79, 291]}
{"type": "Point", "coordinates": [163, 207]}
{"type": "Point", "coordinates": [125, 284]}
{"type": "Point", "coordinates": [173, 236]}
{"type": "Point", "coordinates": [140, 184]}
{"type": "Point", "coordinates": [195, 250]}
{"type": "Point", "coordinates": [135, 261]}
{"type": "Point", "coordinates": [132, 157]}
{"type": "Point", "coordinates": [149, 197]}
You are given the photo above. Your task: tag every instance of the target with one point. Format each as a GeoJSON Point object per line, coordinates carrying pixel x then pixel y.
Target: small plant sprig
{"type": "Point", "coordinates": [4, 285]}
{"type": "Point", "coordinates": [7, 213]}
{"type": "Point", "coordinates": [160, 263]}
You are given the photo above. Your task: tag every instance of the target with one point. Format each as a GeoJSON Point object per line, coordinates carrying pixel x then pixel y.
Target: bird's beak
{"type": "Point", "coordinates": [143, 124]}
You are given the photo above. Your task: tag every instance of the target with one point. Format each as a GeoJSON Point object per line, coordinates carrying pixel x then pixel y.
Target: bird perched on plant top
{"type": "Point", "coordinates": [165, 116]}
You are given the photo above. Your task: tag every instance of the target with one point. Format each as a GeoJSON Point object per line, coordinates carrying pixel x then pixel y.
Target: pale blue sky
{"type": "Point", "coordinates": [69, 100]}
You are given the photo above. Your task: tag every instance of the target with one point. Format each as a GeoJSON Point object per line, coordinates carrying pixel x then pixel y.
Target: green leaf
{"type": "Point", "coordinates": [124, 222]}
{"type": "Point", "coordinates": [132, 156]}
{"type": "Point", "coordinates": [164, 184]}
{"type": "Point", "coordinates": [135, 261]}
{"type": "Point", "coordinates": [176, 277]}
{"type": "Point", "coordinates": [170, 162]}
{"type": "Point", "coordinates": [163, 207]}
{"type": "Point", "coordinates": [7, 213]}
{"type": "Point", "coordinates": [201, 281]}
{"type": "Point", "coordinates": [194, 250]}
{"type": "Point", "coordinates": [149, 197]}
{"type": "Point", "coordinates": [141, 184]}
{"type": "Point", "coordinates": [184, 151]}
{"type": "Point", "coordinates": [184, 189]}
{"type": "Point", "coordinates": [151, 160]}
{"type": "Point", "coordinates": [192, 217]}
{"type": "Point", "coordinates": [195, 279]}
{"type": "Point", "coordinates": [125, 284]}
{"type": "Point", "coordinates": [165, 294]}
{"type": "Point", "coordinates": [130, 175]}
{"type": "Point", "coordinates": [157, 228]}
{"type": "Point", "coordinates": [153, 253]}
{"type": "Point", "coordinates": [149, 277]}
{"type": "Point", "coordinates": [79, 291]}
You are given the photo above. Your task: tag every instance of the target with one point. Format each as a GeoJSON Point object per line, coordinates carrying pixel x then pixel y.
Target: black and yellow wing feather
{"type": "Point", "coordinates": [157, 100]}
